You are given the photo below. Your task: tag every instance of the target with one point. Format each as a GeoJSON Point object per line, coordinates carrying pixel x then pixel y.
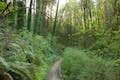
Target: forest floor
{"type": "Point", "coordinates": [54, 72]}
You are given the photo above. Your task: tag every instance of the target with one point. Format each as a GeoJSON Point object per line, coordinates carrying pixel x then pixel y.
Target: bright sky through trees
{"type": "Point", "coordinates": [62, 3]}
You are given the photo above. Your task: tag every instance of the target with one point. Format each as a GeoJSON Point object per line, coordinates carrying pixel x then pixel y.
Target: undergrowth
{"type": "Point", "coordinates": [84, 65]}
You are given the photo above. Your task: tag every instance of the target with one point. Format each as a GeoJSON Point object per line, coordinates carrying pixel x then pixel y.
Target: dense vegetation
{"type": "Point", "coordinates": [85, 34]}
{"type": "Point", "coordinates": [83, 65]}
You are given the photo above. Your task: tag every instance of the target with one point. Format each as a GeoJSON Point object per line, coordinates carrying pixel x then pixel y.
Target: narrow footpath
{"type": "Point", "coordinates": [54, 72]}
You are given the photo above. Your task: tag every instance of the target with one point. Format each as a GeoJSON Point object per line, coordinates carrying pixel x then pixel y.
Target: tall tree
{"type": "Point", "coordinates": [21, 11]}
{"type": "Point", "coordinates": [29, 21]}
{"type": "Point", "coordinates": [55, 22]}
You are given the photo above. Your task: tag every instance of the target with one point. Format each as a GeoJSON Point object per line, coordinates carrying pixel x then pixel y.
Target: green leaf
{"type": "Point", "coordinates": [2, 5]}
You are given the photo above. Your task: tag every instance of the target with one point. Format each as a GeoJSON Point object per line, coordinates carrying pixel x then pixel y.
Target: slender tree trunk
{"type": "Point", "coordinates": [55, 22]}
{"type": "Point", "coordinates": [29, 16]}
{"type": "Point", "coordinates": [90, 15]}
{"type": "Point", "coordinates": [84, 18]}
{"type": "Point", "coordinates": [15, 14]}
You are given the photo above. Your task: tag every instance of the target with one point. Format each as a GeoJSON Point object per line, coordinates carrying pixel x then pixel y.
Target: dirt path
{"type": "Point", "coordinates": [54, 72]}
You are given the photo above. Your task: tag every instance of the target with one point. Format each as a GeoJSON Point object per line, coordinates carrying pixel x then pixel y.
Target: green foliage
{"type": "Point", "coordinates": [24, 54]}
{"type": "Point", "coordinates": [2, 5]}
{"type": "Point", "coordinates": [86, 24]}
{"type": "Point", "coordinates": [42, 71]}
{"type": "Point", "coordinates": [81, 65]}
{"type": "Point", "coordinates": [107, 45]}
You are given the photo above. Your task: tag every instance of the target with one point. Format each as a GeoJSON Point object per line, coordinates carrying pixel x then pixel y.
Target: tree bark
{"type": "Point", "coordinates": [29, 16]}
{"type": "Point", "coordinates": [55, 22]}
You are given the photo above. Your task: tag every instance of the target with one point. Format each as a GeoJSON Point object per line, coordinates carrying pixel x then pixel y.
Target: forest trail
{"type": "Point", "coordinates": [54, 72]}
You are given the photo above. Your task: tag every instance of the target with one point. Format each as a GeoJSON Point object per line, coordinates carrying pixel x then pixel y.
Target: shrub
{"type": "Point", "coordinates": [82, 65]}
{"type": "Point", "coordinates": [26, 54]}
{"type": "Point", "coordinates": [107, 46]}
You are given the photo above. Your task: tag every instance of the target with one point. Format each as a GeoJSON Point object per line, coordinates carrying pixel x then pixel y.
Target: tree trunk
{"type": "Point", "coordinates": [55, 22]}
{"type": "Point", "coordinates": [29, 16]}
